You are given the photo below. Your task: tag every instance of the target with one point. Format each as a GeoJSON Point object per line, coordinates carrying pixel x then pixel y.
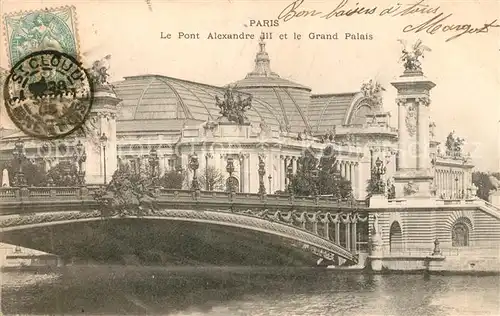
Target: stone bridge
{"type": "Point", "coordinates": [312, 224]}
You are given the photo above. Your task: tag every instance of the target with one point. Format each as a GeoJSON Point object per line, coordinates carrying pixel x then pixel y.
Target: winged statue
{"type": "Point", "coordinates": [373, 91]}
{"type": "Point", "coordinates": [99, 71]}
{"type": "Point", "coordinates": [411, 58]}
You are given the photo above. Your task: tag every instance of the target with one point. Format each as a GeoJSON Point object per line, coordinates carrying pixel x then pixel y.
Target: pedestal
{"type": "Point", "coordinates": [376, 253]}
{"type": "Point", "coordinates": [102, 120]}
{"type": "Point", "coordinates": [413, 184]}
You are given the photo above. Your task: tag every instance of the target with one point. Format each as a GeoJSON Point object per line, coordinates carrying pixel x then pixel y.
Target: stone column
{"type": "Point", "coordinates": [281, 173]}
{"type": "Point", "coordinates": [414, 172]}
{"type": "Point", "coordinates": [348, 233]}
{"type": "Point", "coordinates": [423, 154]}
{"type": "Point", "coordinates": [337, 232]}
{"type": "Point", "coordinates": [403, 140]}
{"type": "Point", "coordinates": [354, 234]}
{"type": "Point", "coordinates": [241, 161]}
{"type": "Point", "coordinates": [326, 229]}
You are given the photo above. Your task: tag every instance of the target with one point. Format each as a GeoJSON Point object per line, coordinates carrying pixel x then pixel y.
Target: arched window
{"type": "Point", "coordinates": [233, 183]}
{"type": "Point", "coordinates": [460, 235]}
{"type": "Point", "coordinates": [395, 237]}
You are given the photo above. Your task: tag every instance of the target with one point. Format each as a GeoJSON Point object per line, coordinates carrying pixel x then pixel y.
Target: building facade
{"type": "Point", "coordinates": [174, 118]}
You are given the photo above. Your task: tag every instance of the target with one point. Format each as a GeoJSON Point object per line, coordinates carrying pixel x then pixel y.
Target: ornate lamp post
{"type": "Point", "coordinates": [270, 178]}
{"type": "Point", "coordinates": [315, 176]}
{"type": "Point", "coordinates": [80, 157]}
{"type": "Point", "coordinates": [19, 156]}
{"type": "Point", "coordinates": [262, 172]}
{"type": "Point", "coordinates": [230, 170]}
{"type": "Point", "coordinates": [378, 171]}
{"type": "Point", "coordinates": [207, 184]}
{"type": "Point", "coordinates": [103, 139]}
{"type": "Point", "coordinates": [194, 164]}
{"type": "Point", "coordinates": [154, 163]}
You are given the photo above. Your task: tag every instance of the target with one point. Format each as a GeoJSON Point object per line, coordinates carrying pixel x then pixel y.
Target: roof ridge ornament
{"type": "Point", "coordinates": [411, 58]}
{"type": "Point", "coordinates": [372, 90]}
{"type": "Point", "coordinates": [262, 63]}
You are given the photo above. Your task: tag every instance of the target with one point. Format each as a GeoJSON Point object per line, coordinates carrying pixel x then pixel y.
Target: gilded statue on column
{"type": "Point", "coordinates": [411, 57]}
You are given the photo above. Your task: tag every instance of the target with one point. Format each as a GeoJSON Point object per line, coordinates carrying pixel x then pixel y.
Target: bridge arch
{"type": "Point", "coordinates": [308, 241]}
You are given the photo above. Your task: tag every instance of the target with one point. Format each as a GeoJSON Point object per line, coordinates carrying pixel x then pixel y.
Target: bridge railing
{"type": "Point", "coordinates": [26, 194]}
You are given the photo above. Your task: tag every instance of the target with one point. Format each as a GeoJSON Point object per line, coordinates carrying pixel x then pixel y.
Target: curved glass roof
{"type": "Point", "coordinates": [154, 97]}
{"type": "Point", "coordinates": [279, 102]}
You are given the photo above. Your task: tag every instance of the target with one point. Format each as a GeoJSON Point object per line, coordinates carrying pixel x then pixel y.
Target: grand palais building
{"type": "Point", "coordinates": [177, 118]}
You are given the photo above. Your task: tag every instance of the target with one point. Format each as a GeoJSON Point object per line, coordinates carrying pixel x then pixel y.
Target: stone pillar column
{"type": "Point", "coordinates": [413, 127]}
{"type": "Point", "coordinates": [423, 162]}
{"type": "Point", "coordinates": [354, 234]}
{"type": "Point", "coordinates": [326, 229]}
{"type": "Point", "coordinates": [282, 173]}
{"type": "Point", "coordinates": [294, 165]}
{"type": "Point", "coordinates": [355, 180]}
{"type": "Point", "coordinates": [348, 233]}
{"type": "Point", "coordinates": [337, 232]}
{"type": "Point", "coordinates": [161, 163]}
{"type": "Point", "coordinates": [403, 139]}
{"type": "Point", "coordinates": [241, 161]}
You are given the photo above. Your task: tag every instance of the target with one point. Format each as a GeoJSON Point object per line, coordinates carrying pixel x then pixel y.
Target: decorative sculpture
{"type": "Point", "coordinates": [376, 227]}
{"type": "Point", "coordinates": [329, 136]}
{"type": "Point", "coordinates": [410, 188]}
{"type": "Point", "coordinates": [127, 194]}
{"type": "Point", "coordinates": [432, 130]}
{"type": "Point", "coordinates": [411, 120]}
{"type": "Point", "coordinates": [99, 71]}
{"type": "Point", "coordinates": [233, 109]}
{"type": "Point", "coordinates": [411, 58]}
{"type": "Point", "coordinates": [264, 128]}
{"type": "Point", "coordinates": [262, 172]}
{"type": "Point", "coordinates": [454, 145]}
{"type": "Point", "coordinates": [373, 91]}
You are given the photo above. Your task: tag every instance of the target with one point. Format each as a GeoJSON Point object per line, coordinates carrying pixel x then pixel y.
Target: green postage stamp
{"type": "Point", "coordinates": [48, 29]}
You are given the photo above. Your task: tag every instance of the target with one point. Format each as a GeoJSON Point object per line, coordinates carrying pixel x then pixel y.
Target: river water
{"type": "Point", "coordinates": [120, 290]}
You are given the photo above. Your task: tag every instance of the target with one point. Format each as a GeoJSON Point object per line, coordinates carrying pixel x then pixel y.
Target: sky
{"type": "Point", "coordinates": [466, 70]}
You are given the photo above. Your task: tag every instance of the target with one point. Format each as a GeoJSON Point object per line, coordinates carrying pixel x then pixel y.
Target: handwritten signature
{"type": "Point", "coordinates": [437, 23]}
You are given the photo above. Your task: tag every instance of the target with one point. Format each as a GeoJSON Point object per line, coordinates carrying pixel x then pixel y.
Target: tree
{"type": "Point", "coordinates": [212, 179]}
{"type": "Point", "coordinates": [34, 173]}
{"type": "Point", "coordinates": [305, 181]}
{"type": "Point", "coordinates": [321, 177]}
{"type": "Point", "coordinates": [64, 174]}
{"type": "Point", "coordinates": [173, 179]}
{"type": "Point", "coordinates": [482, 182]}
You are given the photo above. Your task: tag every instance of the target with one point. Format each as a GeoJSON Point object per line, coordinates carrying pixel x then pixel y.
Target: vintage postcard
{"type": "Point", "coordinates": [232, 157]}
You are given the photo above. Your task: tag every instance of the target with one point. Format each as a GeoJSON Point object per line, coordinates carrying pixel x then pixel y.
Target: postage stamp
{"type": "Point", "coordinates": [48, 94]}
{"type": "Point", "coordinates": [48, 29]}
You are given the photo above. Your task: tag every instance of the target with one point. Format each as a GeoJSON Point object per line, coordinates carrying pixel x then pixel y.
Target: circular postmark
{"type": "Point", "coordinates": [48, 94]}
